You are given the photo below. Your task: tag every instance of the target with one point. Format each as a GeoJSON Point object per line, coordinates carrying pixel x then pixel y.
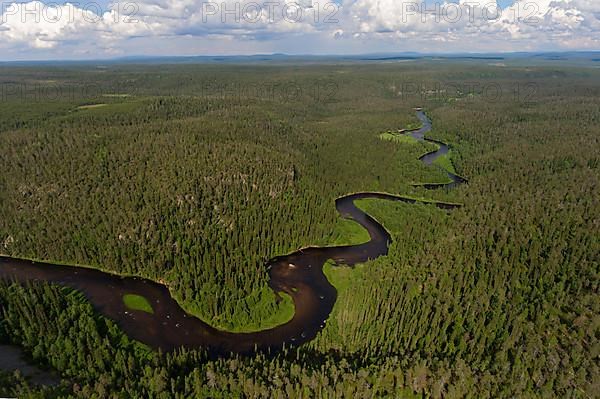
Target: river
{"type": "Point", "coordinates": [299, 274]}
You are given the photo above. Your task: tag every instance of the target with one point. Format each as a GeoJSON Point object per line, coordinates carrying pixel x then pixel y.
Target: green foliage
{"type": "Point", "coordinates": [195, 191]}
{"type": "Point", "coordinates": [137, 302]}
{"type": "Point", "coordinates": [398, 138]}
{"type": "Point", "coordinates": [348, 232]}
{"type": "Point", "coordinates": [496, 299]}
{"type": "Point", "coordinates": [445, 162]}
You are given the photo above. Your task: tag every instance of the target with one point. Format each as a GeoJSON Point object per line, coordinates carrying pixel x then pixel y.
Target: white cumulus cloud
{"type": "Point", "coordinates": [301, 26]}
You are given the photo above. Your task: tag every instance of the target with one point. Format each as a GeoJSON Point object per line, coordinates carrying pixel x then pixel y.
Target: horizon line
{"type": "Point", "coordinates": [355, 56]}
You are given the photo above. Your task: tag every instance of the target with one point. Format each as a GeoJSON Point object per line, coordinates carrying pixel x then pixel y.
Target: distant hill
{"type": "Point", "coordinates": [573, 57]}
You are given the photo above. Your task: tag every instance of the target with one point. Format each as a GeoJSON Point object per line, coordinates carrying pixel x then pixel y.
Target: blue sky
{"type": "Point", "coordinates": [195, 27]}
{"type": "Point", "coordinates": [104, 3]}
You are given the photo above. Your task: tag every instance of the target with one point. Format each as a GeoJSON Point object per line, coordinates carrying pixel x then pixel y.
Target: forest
{"type": "Point", "coordinates": [196, 175]}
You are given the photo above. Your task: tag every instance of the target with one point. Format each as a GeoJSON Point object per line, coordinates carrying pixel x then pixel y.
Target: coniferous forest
{"type": "Point", "coordinates": [196, 175]}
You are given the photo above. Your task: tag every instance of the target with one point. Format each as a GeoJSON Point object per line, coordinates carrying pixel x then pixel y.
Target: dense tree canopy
{"type": "Point", "coordinates": [185, 175]}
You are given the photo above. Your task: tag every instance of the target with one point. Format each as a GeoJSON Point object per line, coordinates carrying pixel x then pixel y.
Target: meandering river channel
{"type": "Point", "coordinates": [299, 274]}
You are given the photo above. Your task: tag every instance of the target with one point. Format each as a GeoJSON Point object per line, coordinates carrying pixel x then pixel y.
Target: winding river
{"type": "Point", "coordinates": [299, 274]}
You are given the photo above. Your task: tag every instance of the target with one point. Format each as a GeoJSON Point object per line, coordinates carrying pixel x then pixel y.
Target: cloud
{"type": "Point", "coordinates": [527, 22]}
{"type": "Point", "coordinates": [163, 26]}
{"type": "Point", "coordinates": [40, 26]}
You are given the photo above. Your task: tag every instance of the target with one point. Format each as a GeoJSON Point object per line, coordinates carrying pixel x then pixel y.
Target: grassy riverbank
{"type": "Point", "coordinates": [279, 309]}
{"type": "Point", "coordinates": [348, 232]}
{"type": "Point", "coordinates": [137, 302]}
{"type": "Point", "coordinates": [398, 138]}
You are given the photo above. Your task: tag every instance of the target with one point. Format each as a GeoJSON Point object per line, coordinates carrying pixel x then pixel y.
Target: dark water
{"type": "Point", "coordinates": [299, 274]}
{"type": "Point", "coordinates": [13, 358]}
{"type": "Point", "coordinates": [428, 158]}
